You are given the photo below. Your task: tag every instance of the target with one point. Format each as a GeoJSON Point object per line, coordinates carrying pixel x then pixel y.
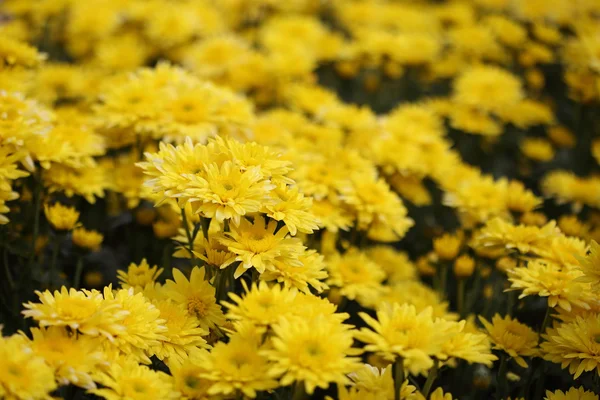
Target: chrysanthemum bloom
{"type": "Point", "coordinates": [125, 378]}
{"type": "Point", "coordinates": [487, 88]}
{"type": "Point", "coordinates": [262, 304]}
{"type": "Point", "coordinates": [188, 381]}
{"type": "Point", "coordinates": [537, 149]}
{"type": "Point", "coordinates": [90, 240]}
{"type": "Point", "coordinates": [293, 209]}
{"type": "Point", "coordinates": [197, 296]}
{"type": "Point", "coordinates": [236, 365]}
{"type": "Point", "coordinates": [379, 211]}
{"type": "Point", "coordinates": [143, 326]}
{"type": "Point", "coordinates": [316, 352]}
{"type": "Point", "coordinates": [182, 336]}
{"type": "Point", "coordinates": [356, 276]}
{"type": "Point", "coordinates": [559, 284]}
{"type": "Point", "coordinates": [139, 275]}
{"type": "Point", "coordinates": [572, 394]}
{"type": "Point", "coordinates": [17, 53]}
{"type": "Point", "coordinates": [514, 338]}
{"type": "Point", "coordinates": [84, 311]}
{"type": "Point", "coordinates": [418, 294]}
{"type": "Point", "coordinates": [500, 234]}
{"type": "Point", "coordinates": [396, 264]}
{"type": "Point", "coordinates": [23, 372]}
{"type": "Point", "coordinates": [73, 357]}
{"type": "Point", "coordinates": [399, 331]}
{"type": "Point", "coordinates": [574, 344]}
{"type": "Point", "coordinates": [473, 347]}
{"type": "Point", "coordinates": [62, 218]}
{"type": "Point", "coordinates": [590, 265]}
{"type": "Point", "coordinates": [258, 245]}
{"type": "Point", "coordinates": [312, 273]}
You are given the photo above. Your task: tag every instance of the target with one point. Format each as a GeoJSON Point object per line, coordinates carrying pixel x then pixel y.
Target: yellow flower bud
{"type": "Point", "coordinates": [145, 216]}
{"type": "Point", "coordinates": [447, 246]}
{"type": "Point", "coordinates": [464, 266]}
{"type": "Point", "coordinates": [506, 263]}
{"type": "Point", "coordinates": [62, 218]}
{"type": "Point", "coordinates": [90, 240]}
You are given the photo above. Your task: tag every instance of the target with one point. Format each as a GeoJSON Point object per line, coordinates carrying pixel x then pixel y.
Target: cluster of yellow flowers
{"type": "Point", "coordinates": [329, 199]}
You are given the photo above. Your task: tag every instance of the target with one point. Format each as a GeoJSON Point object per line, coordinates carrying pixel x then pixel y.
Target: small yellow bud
{"type": "Point", "coordinates": [488, 291]}
{"type": "Point", "coordinates": [164, 229]}
{"type": "Point", "coordinates": [464, 266]}
{"type": "Point", "coordinates": [62, 218]}
{"type": "Point", "coordinates": [145, 216]}
{"type": "Point", "coordinates": [424, 266]}
{"type": "Point", "coordinates": [447, 246]}
{"type": "Point", "coordinates": [90, 240]}
{"type": "Point", "coordinates": [93, 279]}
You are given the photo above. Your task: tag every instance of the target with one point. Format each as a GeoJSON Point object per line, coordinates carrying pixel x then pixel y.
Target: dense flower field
{"type": "Point", "coordinates": [328, 199]}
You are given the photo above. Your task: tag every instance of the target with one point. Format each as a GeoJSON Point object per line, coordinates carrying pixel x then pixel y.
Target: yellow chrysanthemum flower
{"type": "Point", "coordinates": [84, 311]}
{"type": "Point", "coordinates": [258, 244]}
{"type": "Point", "coordinates": [487, 88]}
{"type": "Point", "coordinates": [238, 365]}
{"type": "Point", "coordinates": [23, 372]}
{"type": "Point", "coordinates": [139, 275]}
{"type": "Point", "coordinates": [316, 352]}
{"type": "Point", "coordinates": [356, 275]}
{"type": "Point", "coordinates": [125, 378]}
{"type": "Point", "coordinates": [87, 239]}
{"type": "Point", "coordinates": [571, 394]}
{"type": "Point", "coordinates": [188, 381]}
{"type": "Point", "coordinates": [62, 218]}
{"type": "Point", "coordinates": [514, 338]}
{"type": "Point", "coordinates": [401, 331]}
{"type": "Point", "coordinates": [182, 336]}
{"type": "Point", "coordinates": [590, 265]}
{"type": "Point", "coordinates": [574, 344]}
{"type": "Point", "coordinates": [74, 358]}
{"type": "Point", "coordinates": [561, 285]}
{"type": "Point", "coordinates": [396, 264]}
{"type": "Point", "coordinates": [143, 326]}
{"type": "Point", "coordinates": [262, 304]}
{"type": "Point", "coordinates": [311, 274]}
{"type": "Point", "coordinates": [197, 296]}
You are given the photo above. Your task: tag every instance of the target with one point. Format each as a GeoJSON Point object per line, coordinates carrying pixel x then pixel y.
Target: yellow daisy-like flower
{"type": "Point", "coordinates": [228, 193]}
{"type": "Point", "coordinates": [311, 274]}
{"type": "Point", "coordinates": [197, 296]}
{"type": "Point", "coordinates": [537, 149]}
{"type": "Point", "coordinates": [126, 379]}
{"type": "Point", "coordinates": [262, 305]}
{"type": "Point", "coordinates": [62, 218]}
{"type": "Point", "coordinates": [16, 53]}
{"type": "Point", "coordinates": [238, 365]}
{"type": "Point", "coordinates": [499, 234]}
{"type": "Point", "coordinates": [419, 295]}
{"type": "Point", "coordinates": [258, 245]}
{"type": "Point", "coordinates": [571, 394]}
{"type": "Point", "coordinates": [356, 275]}
{"type": "Point", "coordinates": [84, 311]}
{"type": "Point", "coordinates": [143, 326]}
{"type": "Point", "coordinates": [447, 246]}
{"type": "Point", "coordinates": [514, 338]}
{"type": "Point", "coordinates": [488, 88]}
{"type": "Point", "coordinates": [292, 208]}
{"type": "Point", "coordinates": [188, 381]}
{"type": "Point", "coordinates": [23, 372]}
{"type": "Point", "coordinates": [87, 239]}
{"type": "Point", "coordinates": [316, 352]}
{"type": "Point", "coordinates": [574, 344]}
{"type": "Point", "coordinates": [73, 357]}
{"type": "Point", "coordinates": [139, 275]}
{"type": "Point", "coordinates": [396, 264]}
{"type": "Point", "coordinates": [379, 211]}
{"type": "Point", "coordinates": [590, 265]}
{"type": "Point", "coordinates": [561, 285]}
{"type": "Point", "coordinates": [182, 336]}
{"type": "Point", "coordinates": [473, 347]}
{"type": "Point", "coordinates": [401, 331]}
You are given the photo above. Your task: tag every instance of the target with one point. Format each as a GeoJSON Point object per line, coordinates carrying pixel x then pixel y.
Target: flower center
{"type": "Point", "coordinates": [197, 307]}
{"type": "Point", "coordinates": [192, 382]}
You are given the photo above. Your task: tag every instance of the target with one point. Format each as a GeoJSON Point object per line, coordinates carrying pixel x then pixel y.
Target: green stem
{"type": "Point", "coordinates": [188, 234]}
{"type": "Point", "coordinates": [398, 373]}
{"type": "Point", "coordinates": [299, 392]}
{"type": "Point", "coordinates": [443, 271]}
{"type": "Point", "coordinates": [78, 271]}
{"type": "Point", "coordinates": [9, 277]}
{"type": "Point", "coordinates": [460, 297]}
{"type": "Point", "coordinates": [431, 377]}
{"type": "Point", "coordinates": [37, 199]}
{"type": "Point", "coordinates": [546, 321]}
{"type": "Point", "coordinates": [501, 378]}
{"type": "Point", "coordinates": [510, 304]}
{"type": "Point", "coordinates": [166, 257]}
{"type": "Point", "coordinates": [52, 270]}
